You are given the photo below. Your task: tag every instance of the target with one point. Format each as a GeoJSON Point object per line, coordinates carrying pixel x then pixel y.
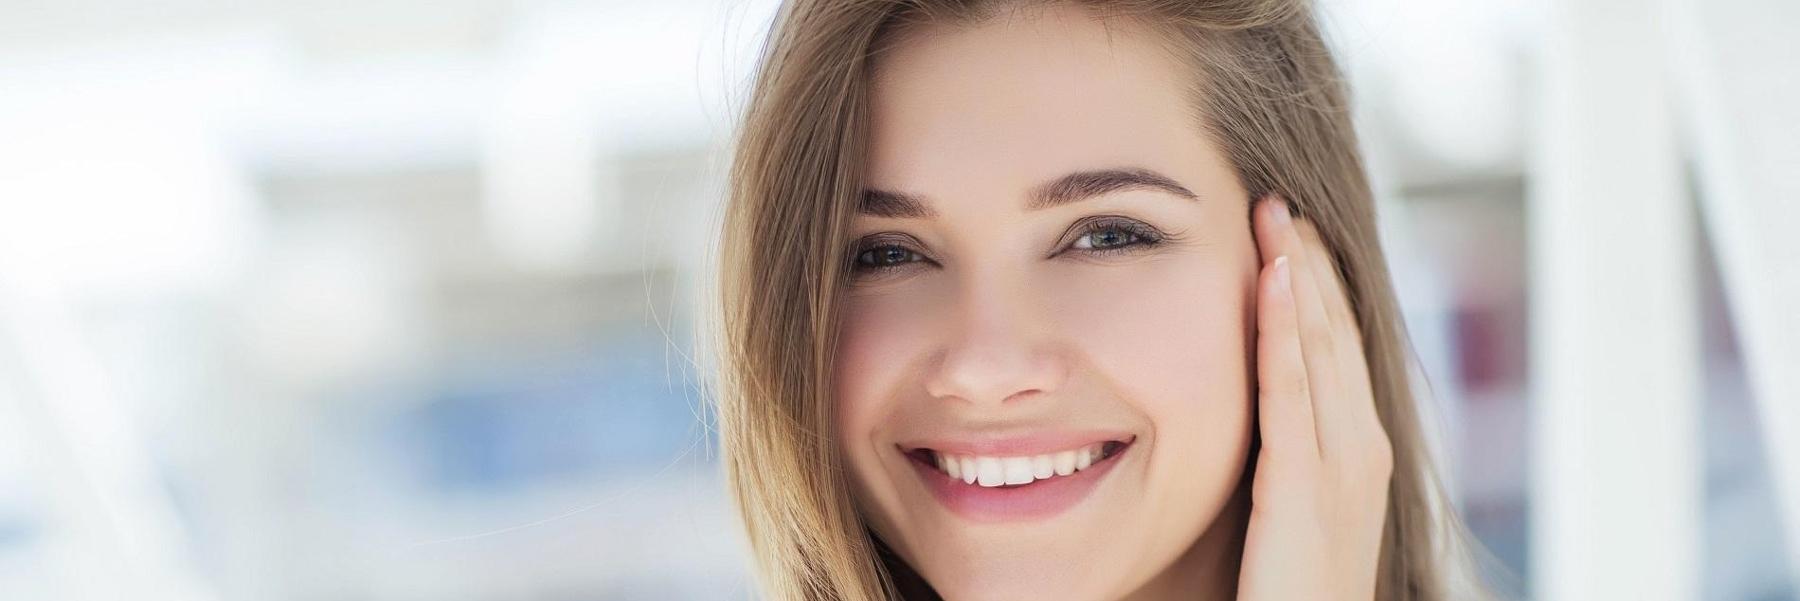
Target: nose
{"type": "Point", "coordinates": [998, 347]}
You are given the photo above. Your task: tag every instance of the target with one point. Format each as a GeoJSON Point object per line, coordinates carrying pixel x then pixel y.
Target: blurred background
{"type": "Point", "coordinates": [397, 299]}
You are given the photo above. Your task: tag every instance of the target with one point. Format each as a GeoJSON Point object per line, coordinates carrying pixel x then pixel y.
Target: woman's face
{"type": "Point", "coordinates": [1043, 382]}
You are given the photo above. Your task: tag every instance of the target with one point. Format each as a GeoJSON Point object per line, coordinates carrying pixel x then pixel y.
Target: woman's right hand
{"type": "Point", "coordinates": [1319, 494]}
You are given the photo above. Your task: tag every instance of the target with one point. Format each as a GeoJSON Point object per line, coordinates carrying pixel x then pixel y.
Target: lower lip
{"type": "Point", "coordinates": [1039, 500]}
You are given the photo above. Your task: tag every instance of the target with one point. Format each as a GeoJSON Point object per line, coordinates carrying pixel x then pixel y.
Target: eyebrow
{"type": "Point", "coordinates": [1073, 187]}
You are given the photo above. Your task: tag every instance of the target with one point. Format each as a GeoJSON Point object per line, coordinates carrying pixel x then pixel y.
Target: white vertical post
{"type": "Point", "coordinates": [1615, 495]}
{"type": "Point", "coordinates": [1738, 86]}
{"type": "Point", "coordinates": [120, 535]}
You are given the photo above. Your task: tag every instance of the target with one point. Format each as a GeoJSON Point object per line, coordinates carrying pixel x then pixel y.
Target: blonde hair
{"type": "Point", "coordinates": [1267, 92]}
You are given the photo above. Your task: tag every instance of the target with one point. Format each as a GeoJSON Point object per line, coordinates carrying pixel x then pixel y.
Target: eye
{"type": "Point", "coordinates": [883, 253]}
{"type": "Point", "coordinates": [1107, 235]}
{"type": "Point", "coordinates": [885, 257]}
{"type": "Point", "coordinates": [1106, 238]}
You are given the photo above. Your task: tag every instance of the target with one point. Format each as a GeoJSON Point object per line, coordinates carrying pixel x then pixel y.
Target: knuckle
{"type": "Point", "coordinates": [1319, 335]}
{"type": "Point", "coordinates": [1295, 386]}
{"type": "Point", "coordinates": [1379, 458]}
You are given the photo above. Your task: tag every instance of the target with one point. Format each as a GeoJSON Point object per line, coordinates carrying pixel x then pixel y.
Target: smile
{"type": "Point", "coordinates": [986, 484]}
{"type": "Point", "coordinates": [1018, 471]}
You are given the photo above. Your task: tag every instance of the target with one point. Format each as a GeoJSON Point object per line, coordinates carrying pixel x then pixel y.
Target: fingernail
{"type": "Point", "coordinates": [1282, 282]}
{"type": "Point", "coordinates": [1278, 209]}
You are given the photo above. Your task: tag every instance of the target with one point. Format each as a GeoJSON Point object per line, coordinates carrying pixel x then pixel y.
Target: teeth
{"type": "Point", "coordinates": [1004, 471]}
{"type": "Point", "coordinates": [1018, 470]}
{"type": "Point", "coordinates": [990, 471]}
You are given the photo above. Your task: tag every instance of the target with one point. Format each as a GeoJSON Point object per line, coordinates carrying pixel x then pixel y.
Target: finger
{"type": "Point", "coordinates": [1353, 366]}
{"type": "Point", "coordinates": [1356, 402]}
{"type": "Point", "coordinates": [1279, 234]}
{"type": "Point", "coordinates": [1284, 396]}
{"type": "Point", "coordinates": [1329, 279]}
{"type": "Point", "coordinates": [1346, 329]}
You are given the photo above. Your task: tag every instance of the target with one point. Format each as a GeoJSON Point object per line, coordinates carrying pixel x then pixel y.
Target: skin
{"type": "Point", "coordinates": [989, 316]}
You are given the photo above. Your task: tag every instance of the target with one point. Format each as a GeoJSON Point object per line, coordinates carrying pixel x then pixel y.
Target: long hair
{"type": "Point", "coordinates": [1265, 89]}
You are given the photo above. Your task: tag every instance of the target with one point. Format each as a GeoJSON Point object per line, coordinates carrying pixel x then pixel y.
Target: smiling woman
{"type": "Point", "coordinates": [1015, 306]}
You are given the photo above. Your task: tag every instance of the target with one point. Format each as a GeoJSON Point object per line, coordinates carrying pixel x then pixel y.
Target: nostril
{"type": "Point", "coordinates": [995, 369]}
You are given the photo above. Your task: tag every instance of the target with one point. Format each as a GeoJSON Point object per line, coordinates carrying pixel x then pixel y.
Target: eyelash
{"type": "Point", "coordinates": [1137, 237]}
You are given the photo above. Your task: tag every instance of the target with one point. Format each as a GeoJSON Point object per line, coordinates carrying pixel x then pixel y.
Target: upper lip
{"type": "Point", "coordinates": [1017, 444]}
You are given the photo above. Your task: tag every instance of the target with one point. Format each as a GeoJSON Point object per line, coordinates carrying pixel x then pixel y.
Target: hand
{"type": "Point", "coordinates": [1319, 494]}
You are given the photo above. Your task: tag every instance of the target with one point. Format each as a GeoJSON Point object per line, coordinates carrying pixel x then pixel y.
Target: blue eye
{"type": "Point", "coordinates": [885, 257]}
{"type": "Point", "coordinates": [1104, 236]}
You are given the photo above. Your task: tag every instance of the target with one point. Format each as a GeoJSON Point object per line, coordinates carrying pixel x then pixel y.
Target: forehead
{"type": "Point", "coordinates": [1017, 98]}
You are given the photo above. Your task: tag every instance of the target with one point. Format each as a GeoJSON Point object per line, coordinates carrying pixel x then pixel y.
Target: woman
{"type": "Point", "coordinates": [1066, 300]}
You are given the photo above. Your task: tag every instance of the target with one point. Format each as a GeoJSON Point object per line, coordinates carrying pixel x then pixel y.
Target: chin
{"type": "Point", "coordinates": [1002, 578]}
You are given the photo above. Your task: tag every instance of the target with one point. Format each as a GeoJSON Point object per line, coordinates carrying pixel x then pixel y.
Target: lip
{"type": "Point", "coordinates": [1014, 446]}
{"type": "Point", "coordinates": [1039, 500]}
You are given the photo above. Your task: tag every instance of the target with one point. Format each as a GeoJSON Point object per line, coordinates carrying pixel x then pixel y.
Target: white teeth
{"type": "Point", "coordinates": [1018, 470]}
{"type": "Point", "coordinates": [1005, 471]}
{"type": "Point", "coordinates": [990, 471]}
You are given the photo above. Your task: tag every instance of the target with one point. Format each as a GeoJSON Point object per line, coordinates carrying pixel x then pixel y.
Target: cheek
{"type": "Point", "coordinates": [1175, 339]}
{"type": "Point", "coordinates": [1171, 333]}
{"type": "Point", "coordinates": [875, 343]}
